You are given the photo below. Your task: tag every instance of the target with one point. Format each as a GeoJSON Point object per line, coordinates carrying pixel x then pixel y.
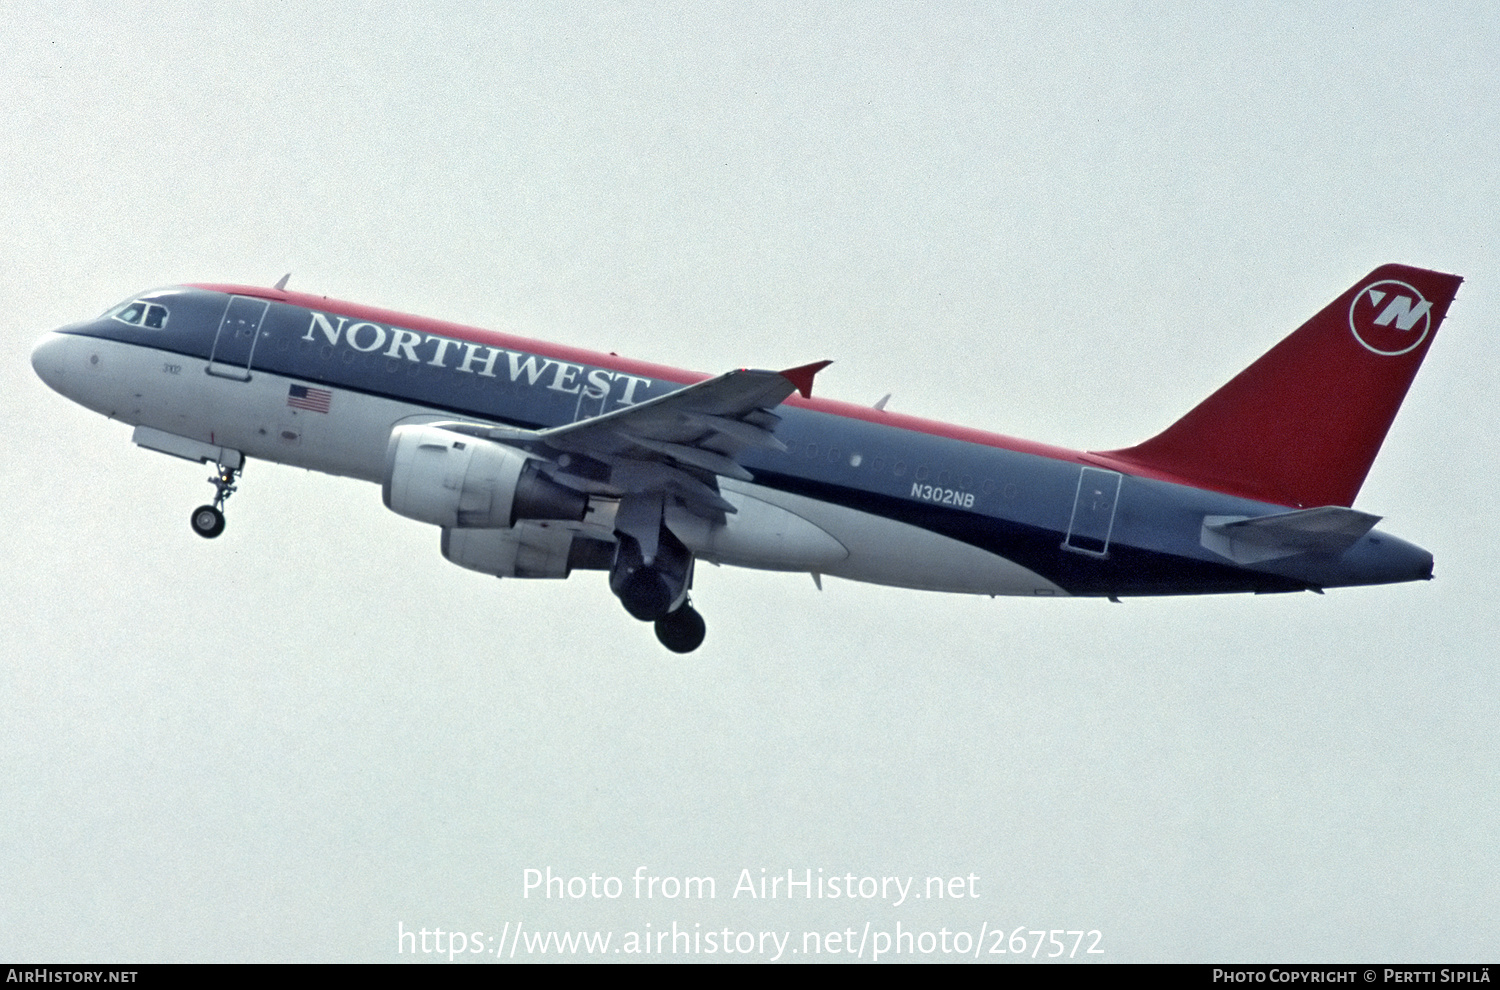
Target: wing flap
{"type": "Point", "coordinates": [699, 457]}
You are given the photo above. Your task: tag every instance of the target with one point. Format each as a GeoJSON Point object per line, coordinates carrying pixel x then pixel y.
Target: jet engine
{"type": "Point", "coordinates": [529, 550]}
{"type": "Point", "coordinates": [452, 480]}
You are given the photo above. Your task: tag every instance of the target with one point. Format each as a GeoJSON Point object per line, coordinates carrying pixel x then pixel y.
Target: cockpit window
{"type": "Point", "coordinates": [141, 314]}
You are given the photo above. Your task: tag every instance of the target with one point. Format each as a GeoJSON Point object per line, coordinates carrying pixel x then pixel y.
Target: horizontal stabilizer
{"type": "Point", "coordinates": [1330, 529]}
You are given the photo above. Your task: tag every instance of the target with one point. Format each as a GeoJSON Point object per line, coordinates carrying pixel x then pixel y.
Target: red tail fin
{"type": "Point", "coordinates": [1301, 426]}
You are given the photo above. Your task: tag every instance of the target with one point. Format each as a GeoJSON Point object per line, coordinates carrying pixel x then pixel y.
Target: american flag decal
{"type": "Point", "coordinates": [312, 399]}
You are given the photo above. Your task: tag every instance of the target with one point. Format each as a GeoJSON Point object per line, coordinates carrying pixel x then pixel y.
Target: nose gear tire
{"type": "Point", "coordinates": [207, 521]}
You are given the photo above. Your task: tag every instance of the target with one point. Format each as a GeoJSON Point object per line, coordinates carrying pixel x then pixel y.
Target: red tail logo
{"type": "Point", "coordinates": [1301, 426]}
{"type": "Point", "coordinates": [1390, 317]}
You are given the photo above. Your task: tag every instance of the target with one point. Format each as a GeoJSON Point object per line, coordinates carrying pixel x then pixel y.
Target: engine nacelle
{"type": "Point", "coordinates": [448, 479]}
{"type": "Point", "coordinates": [530, 550]}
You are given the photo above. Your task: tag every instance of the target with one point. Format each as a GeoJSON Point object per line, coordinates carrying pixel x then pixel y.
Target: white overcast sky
{"type": "Point", "coordinates": [1066, 226]}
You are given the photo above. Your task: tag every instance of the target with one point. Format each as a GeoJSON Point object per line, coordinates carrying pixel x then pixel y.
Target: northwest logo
{"type": "Point", "coordinates": [592, 385]}
{"type": "Point", "coordinates": [1390, 317]}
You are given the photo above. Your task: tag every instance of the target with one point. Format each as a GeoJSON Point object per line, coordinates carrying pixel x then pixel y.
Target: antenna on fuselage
{"type": "Point", "coordinates": [282, 284]}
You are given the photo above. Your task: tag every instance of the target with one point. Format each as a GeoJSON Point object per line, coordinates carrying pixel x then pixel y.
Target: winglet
{"type": "Point", "coordinates": [802, 378]}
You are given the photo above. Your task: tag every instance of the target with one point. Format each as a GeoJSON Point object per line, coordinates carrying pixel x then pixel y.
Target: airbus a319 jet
{"type": "Point", "coordinates": [535, 460]}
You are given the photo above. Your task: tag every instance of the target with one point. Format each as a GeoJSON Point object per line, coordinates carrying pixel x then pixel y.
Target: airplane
{"type": "Point", "coordinates": [536, 460]}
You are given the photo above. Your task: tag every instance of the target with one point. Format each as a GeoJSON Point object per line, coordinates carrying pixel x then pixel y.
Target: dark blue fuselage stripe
{"type": "Point", "coordinates": [1125, 570]}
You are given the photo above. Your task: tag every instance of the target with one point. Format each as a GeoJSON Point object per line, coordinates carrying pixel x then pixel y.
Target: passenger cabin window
{"type": "Point", "coordinates": [153, 316]}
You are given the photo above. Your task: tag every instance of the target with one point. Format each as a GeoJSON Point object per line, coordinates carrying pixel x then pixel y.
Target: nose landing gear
{"type": "Point", "coordinates": [208, 520]}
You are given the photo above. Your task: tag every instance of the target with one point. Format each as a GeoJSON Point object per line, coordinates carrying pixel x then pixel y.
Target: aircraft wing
{"type": "Point", "coordinates": [677, 444]}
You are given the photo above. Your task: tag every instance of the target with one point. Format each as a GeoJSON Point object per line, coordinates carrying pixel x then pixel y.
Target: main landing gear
{"type": "Point", "coordinates": [648, 576]}
{"type": "Point", "coordinates": [208, 520]}
{"type": "Point", "coordinates": [681, 631]}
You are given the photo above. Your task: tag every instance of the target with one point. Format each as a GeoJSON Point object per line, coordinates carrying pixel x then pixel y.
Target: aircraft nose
{"type": "Point", "coordinates": [49, 359]}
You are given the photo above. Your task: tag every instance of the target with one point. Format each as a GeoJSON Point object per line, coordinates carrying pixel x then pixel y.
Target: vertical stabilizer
{"type": "Point", "coordinates": [1302, 425]}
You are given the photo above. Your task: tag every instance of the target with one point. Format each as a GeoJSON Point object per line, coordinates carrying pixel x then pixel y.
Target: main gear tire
{"type": "Point", "coordinates": [681, 631]}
